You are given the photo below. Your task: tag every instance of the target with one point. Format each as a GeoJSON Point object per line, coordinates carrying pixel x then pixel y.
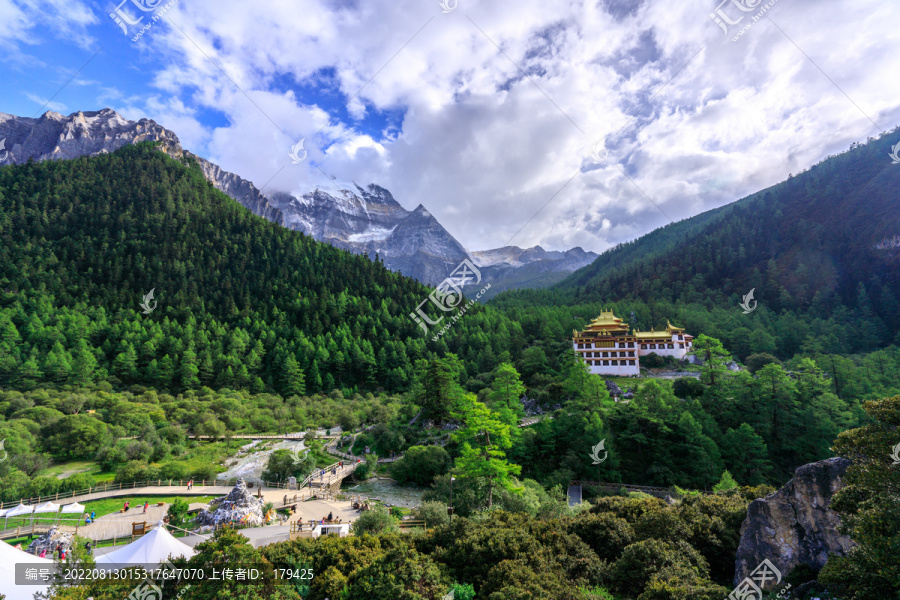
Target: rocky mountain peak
{"type": "Point", "coordinates": [362, 219]}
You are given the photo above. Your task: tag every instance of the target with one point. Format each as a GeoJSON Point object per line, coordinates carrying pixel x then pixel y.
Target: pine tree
{"type": "Point", "coordinates": [292, 381]}
{"type": "Point", "coordinates": [188, 370]}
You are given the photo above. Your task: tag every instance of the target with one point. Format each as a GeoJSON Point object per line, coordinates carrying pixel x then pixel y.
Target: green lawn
{"type": "Point", "coordinates": [112, 505]}
{"type": "Point", "coordinates": [67, 469]}
{"type": "Point", "coordinates": [104, 507]}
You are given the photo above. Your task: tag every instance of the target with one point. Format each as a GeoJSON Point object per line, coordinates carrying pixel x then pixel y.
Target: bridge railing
{"type": "Point", "coordinates": [652, 490]}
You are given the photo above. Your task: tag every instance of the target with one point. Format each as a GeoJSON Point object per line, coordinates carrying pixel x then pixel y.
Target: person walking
{"type": "Point", "coordinates": [93, 515]}
{"type": "Point", "coordinates": [285, 500]}
{"type": "Point", "coordinates": [146, 504]}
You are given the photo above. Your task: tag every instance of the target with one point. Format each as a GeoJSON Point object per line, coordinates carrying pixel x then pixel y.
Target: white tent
{"type": "Point", "coordinates": [73, 508]}
{"type": "Point", "coordinates": [47, 507]}
{"type": "Point", "coordinates": [151, 548]}
{"type": "Point", "coordinates": [9, 556]}
{"type": "Point", "coordinates": [17, 511]}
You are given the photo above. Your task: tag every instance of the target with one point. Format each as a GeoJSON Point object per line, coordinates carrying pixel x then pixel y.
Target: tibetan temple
{"type": "Point", "coordinates": [608, 349]}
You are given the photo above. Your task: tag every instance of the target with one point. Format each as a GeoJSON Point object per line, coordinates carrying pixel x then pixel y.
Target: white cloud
{"type": "Point", "coordinates": [44, 104]}
{"type": "Point", "coordinates": [485, 147]}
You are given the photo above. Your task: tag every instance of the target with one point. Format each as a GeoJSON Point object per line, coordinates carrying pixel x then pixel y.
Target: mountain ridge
{"type": "Point", "coordinates": [365, 220]}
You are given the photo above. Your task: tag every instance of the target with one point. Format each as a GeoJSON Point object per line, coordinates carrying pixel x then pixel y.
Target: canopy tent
{"type": "Point", "coordinates": [17, 511]}
{"type": "Point", "coordinates": [73, 508]}
{"type": "Point", "coordinates": [47, 507]}
{"type": "Point", "coordinates": [151, 548]}
{"type": "Point", "coordinates": [9, 556]}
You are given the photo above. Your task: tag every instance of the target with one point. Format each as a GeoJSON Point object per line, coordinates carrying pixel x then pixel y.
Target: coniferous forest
{"type": "Point", "coordinates": [256, 328]}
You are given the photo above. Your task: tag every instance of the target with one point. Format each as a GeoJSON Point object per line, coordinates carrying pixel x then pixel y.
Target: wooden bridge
{"type": "Point", "coordinates": [575, 489]}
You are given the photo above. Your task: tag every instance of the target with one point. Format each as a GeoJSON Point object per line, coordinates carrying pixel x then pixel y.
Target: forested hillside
{"type": "Point", "coordinates": [242, 302]}
{"type": "Point", "coordinates": [819, 250]}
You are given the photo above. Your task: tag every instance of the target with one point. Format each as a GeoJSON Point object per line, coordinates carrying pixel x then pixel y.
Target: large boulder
{"type": "Point", "coordinates": [614, 390]}
{"type": "Point", "coordinates": [239, 506]}
{"type": "Point", "coordinates": [795, 526]}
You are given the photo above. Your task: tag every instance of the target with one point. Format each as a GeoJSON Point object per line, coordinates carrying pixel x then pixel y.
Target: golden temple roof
{"type": "Point", "coordinates": [609, 324]}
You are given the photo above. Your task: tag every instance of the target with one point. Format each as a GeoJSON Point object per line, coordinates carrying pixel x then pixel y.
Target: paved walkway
{"type": "Point", "coordinates": [260, 536]}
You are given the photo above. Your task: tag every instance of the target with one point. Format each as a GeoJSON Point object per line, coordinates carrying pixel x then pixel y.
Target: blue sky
{"type": "Point", "coordinates": [487, 114]}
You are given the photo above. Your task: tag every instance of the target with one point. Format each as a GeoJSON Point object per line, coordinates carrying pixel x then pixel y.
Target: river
{"type": "Point", "coordinates": [387, 491]}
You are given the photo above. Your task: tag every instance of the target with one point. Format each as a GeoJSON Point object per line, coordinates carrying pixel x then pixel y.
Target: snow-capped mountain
{"type": "Point", "coordinates": [54, 136]}
{"type": "Point", "coordinates": [362, 219]}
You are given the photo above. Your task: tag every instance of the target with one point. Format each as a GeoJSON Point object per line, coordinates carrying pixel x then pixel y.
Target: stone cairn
{"type": "Point", "coordinates": [240, 506]}
{"type": "Point", "coordinates": [49, 541]}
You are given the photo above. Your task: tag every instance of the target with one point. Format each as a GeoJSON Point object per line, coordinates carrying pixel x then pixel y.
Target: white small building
{"type": "Point", "coordinates": [338, 529]}
{"type": "Point", "coordinates": [608, 348]}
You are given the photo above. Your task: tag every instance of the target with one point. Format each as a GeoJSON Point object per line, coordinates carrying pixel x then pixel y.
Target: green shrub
{"type": "Point", "coordinates": [605, 533]}
{"type": "Point", "coordinates": [374, 521]}
{"type": "Point", "coordinates": [462, 591]}
{"type": "Point", "coordinates": [421, 464]}
{"type": "Point", "coordinates": [688, 387]}
{"type": "Point", "coordinates": [726, 483]}
{"type": "Point", "coordinates": [174, 470]}
{"type": "Point", "coordinates": [177, 512]}
{"type": "Point", "coordinates": [204, 473]}
{"type": "Point", "coordinates": [433, 513]}
{"type": "Point", "coordinates": [641, 560]}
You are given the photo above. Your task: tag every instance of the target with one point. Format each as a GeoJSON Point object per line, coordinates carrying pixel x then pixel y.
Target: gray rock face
{"type": "Point", "coordinates": [55, 137]}
{"type": "Point", "coordinates": [795, 526]}
{"type": "Point", "coordinates": [368, 220]}
{"type": "Point", "coordinates": [239, 506]}
{"type": "Point", "coordinates": [364, 220]}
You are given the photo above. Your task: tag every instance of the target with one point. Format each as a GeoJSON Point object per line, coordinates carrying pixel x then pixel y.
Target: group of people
{"type": "Point", "coordinates": [126, 506]}
{"type": "Point", "coordinates": [88, 519]}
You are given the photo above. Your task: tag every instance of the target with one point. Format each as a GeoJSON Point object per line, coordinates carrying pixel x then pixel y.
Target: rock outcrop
{"type": "Point", "coordinates": [239, 506]}
{"type": "Point", "coordinates": [49, 541]}
{"type": "Point", "coordinates": [614, 390]}
{"type": "Point", "coordinates": [795, 526]}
